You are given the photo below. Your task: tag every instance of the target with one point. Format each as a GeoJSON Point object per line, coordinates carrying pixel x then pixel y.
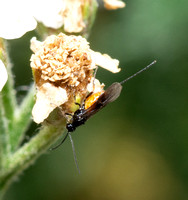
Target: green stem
{"type": "Point", "coordinates": [3, 132]}
{"type": "Point", "coordinates": [22, 119]}
{"type": "Point", "coordinates": [27, 154]}
{"type": "Point", "coordinates": [8, 97]}
{"type": "Point", "coordinates": [8, 92]}
{"type": "Point", "coordinates": [89, 13]}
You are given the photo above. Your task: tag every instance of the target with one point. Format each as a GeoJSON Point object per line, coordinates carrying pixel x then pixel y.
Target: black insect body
{"type": "Point", "coordinates": [82, 114]}
{"type": "Point", "coordinates": [77, 120]}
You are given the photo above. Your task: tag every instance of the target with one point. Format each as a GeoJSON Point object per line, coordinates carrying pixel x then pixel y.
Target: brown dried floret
{"type": "Point", "coordinates": [63, 58]}
{"type": "Point", "coordinates": [63, 68]}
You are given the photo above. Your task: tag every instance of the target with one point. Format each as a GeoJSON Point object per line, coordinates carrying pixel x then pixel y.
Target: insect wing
{"type": "Point", "coordinates": [110, 95]}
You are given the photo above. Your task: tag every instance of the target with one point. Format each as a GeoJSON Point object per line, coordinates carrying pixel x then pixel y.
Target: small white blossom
{"type": "Point", "coordinates": [3, 75]}
{"type": "Point", "coordinates": [49, 12]}
{"type": "Point", "coordinates": [95, 86]}
{"type": "Point", "coordinates": [15, 19]}
{"type": "Point", "coordinates": [56, 13]}
{"type": "Point", "coordinates": [47, 99]}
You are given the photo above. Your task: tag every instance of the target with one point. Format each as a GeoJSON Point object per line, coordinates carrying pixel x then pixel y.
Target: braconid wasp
{"type": "Point", "coordinates": [92, 104]}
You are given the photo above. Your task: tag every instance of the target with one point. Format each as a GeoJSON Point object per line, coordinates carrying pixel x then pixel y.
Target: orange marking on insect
{"type": "Point", "coordinates": [92, 99]}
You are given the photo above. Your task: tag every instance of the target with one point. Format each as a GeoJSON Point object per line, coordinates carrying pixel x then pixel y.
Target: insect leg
{"type": "Point", "coordinates": [53, 148]}
{"type": "Point", "coordinates": [94, 76]}
{"type": "Point", "coordinates": [78, 104]}
{"type": "Point", "coordinates": [68, 114]}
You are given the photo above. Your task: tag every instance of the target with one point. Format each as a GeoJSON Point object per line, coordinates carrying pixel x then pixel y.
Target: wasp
{"type": "Point", "coordinates": [93, 103]}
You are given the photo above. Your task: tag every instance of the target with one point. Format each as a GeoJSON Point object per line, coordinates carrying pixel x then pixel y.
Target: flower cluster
{"type": "Point", "coordinates": [62, 65]}
{"type": "Point", "coordinates": [19, 16]}
{"type": "Point", "coordinates": [63, 70]}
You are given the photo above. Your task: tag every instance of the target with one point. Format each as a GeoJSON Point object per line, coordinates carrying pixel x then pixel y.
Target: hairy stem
{"type": "Point", "coordinates": [3, 132]}
{"type": "Point", "coordinates": [22, 119]}
{"type": "Point", "coordinates": [8, 100]}
{"type": "Point", "coordinates": [28, 153]}
{"type": "Point", "coordinates": [8, 92]}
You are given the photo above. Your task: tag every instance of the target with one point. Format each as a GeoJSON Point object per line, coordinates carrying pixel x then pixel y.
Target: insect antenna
{"type": "Point", "coordinates": [74, 153]}
{"type": "Point", "coordinates": [145, 68]}
{"type": "Point", "coordinates": [53, 148]}
{"type": "Point", "coordinates": [94, 77]}
{"type": "Point", "coordinates": [95, 72]}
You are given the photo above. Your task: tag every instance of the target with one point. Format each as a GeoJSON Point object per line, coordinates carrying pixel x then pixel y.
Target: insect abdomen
{"type": "Point", "coordinates": [92, 99]}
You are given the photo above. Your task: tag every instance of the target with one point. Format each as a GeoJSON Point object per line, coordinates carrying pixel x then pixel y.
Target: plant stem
{"type": "Point", "coordinates": [22, 119]}
{"type": "Point", "coordinates": [8, 98]}
{"type": "Point", "coordinates": [28, 153]}
{"type": "Point", "coordinates": [89, 13]}
{"type": "Point", "coordinates": [3, 132]}
{"type": "Point", "coordinates": [8, 92]}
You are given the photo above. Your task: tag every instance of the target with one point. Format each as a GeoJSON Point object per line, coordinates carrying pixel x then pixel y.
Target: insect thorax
{"type": "Point", "coordinates": [77, 120]}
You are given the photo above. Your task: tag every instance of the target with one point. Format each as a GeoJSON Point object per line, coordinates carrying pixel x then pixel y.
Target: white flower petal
{"type": "Point", "coordinates": [35, 44]}
{"type": "Point", "coordinates": [15, 19]}
{"type": "Point", "coordinates": [113, 4]}
{"type": "Point", "coordinates": [97, 87]}
{"type": "Point", "coordinates": [48, 98]}
{"type": "Point", "coordinates": [3, 75]}
{"type": "Point", "coordinates": [73, 16]}
{"type": "Point", "coordinates": [48, 12]}
{"type": "Point", "coordinates": [106, 62]}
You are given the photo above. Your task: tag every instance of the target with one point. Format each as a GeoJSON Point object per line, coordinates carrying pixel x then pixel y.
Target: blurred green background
{"type": "Point", "coordinates": [137, 147]}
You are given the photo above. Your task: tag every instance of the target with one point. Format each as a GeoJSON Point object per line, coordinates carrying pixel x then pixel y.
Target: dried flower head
{"type": "Point", "coordinates": [63, 58]}
{"type": "Point", "coordinates": [63, 70]}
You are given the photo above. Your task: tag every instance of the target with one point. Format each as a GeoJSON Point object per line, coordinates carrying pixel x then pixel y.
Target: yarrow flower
{"type": "Point", "coordinates": [3, 74]}
{"type": "Point", "coordinates": [63, 70]}
{"type": "Point", "coordinates": [19, 16]}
